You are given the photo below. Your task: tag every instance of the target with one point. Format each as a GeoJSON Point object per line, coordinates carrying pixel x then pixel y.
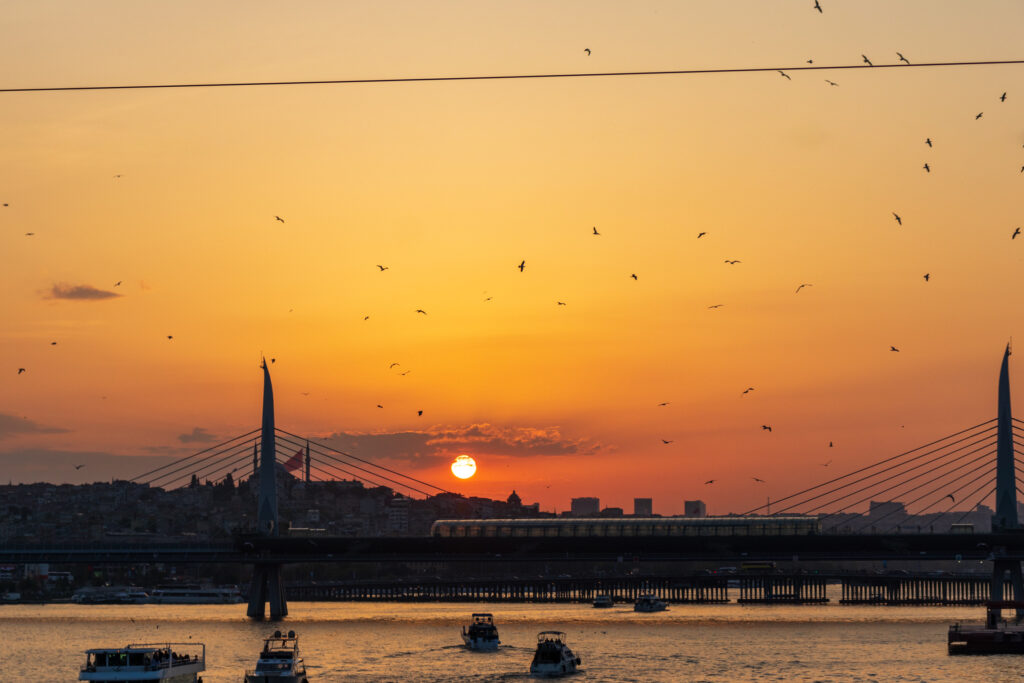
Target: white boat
{"type": "Point", "coordinates": [649, 603]}
{"type": "Point", "coordinates": [604, 601]}
{"type": "Point", "coordinates": [279, 661]}
{"type": "Point", "coordinates": [553, 657]}
{"type": "Point", "coordinates": [169, 662]}
{"type": "Point", "coordinates": [194, 594]}
{"type": "Point", "coordinates": [481, 634]}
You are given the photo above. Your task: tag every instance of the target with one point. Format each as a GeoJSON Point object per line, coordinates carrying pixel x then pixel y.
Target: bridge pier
{"type": "Point", "coordinates": [267, 586]}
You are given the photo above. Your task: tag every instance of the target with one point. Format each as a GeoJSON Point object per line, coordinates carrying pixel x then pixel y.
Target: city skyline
{"type": "Point", "coordinates": [180, 236]}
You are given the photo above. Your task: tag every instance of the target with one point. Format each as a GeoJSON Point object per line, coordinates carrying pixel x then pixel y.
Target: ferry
{"type": "Point", "coordinates": [553, 657]}
{"type": "Point", "coordinates": [194, 594]}
{"type": "Point", "coordinates": [168, 662]}
{"type": "Point", "coordinates": [604, 601]}
{"type": "Point", "coordinates": [995, 636]}
{"type": "Point", "coordinates": [110, 596]}
{"type": "Point", "coordinates": [481, 634]}
{"type": "Point", "coordinates": [279, 661]}
{"type": "Point", "coordinates": [649, 603]}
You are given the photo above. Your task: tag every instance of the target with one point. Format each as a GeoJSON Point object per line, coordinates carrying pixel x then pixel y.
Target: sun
{"type": "Point", "coordinates": [464, 467]}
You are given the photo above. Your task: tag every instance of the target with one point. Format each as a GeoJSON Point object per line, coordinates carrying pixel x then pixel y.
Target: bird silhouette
{"type": "Point", "coordinates": [29, 234]}
{"type": "Point", "coordinates": [304, 393]}
{"type": "Point", "coordinates": [979, 115]}
{"type": "Point", "coordinates": [766, 427]}
{"type": "Point", "coordinates": [898, 219]}
{"type": "Point", "coordinates": [700, 234]}
{"type": "Point", "coordinates": [806, 284]}
{"type": "Point", "coordinates": [927, 168]}
{"type": "Point", "coordinates": [403, 374]}
{"type": "Point", "coordinates": [867, 61]}
{"type": "Point", "coordinates": [78, 467]}
{"type": "Point", "coordinates": [748, 389]}
{"type": "Point", "coordinates": [817, 6]}
{"type": "Point", "coordinates": [382, 268]}
{"type": "Point", "coordinates": [927, 276]}
{"type": "Point", "coordinates": [810, 61]}
{"type": "Point", "coordinates": [273, 360]}
{"type": "Point", "coordinates": [522, 265]}
{"type": "Point", "coordinates": [663, 404]}
{"type": "Point", "coordinates": [716, 306]}
{"type": "Point", "coordinates": [393, 365]}
{"type": "Point", "coordinates": [666, 441]}
{"type": "Point", "coordinates": [831, 82]}
{"type": "Point", "coordinates": [893, 348]}
{"type": "Point", "coordinates": [950, 496]}
{"type": "Point", "coordinates": [634, 276]}
{"type": "Point", "coordinates": [117, 284]}
{"type": "Point", "coordinates": [419, 413]}
{"type": "Point", "coordinates": [1002, 98]}
{"type": "Point", "coordinates": [587, 50]}
{"type": "Point", "coordinates": [902, 58]}
{"type": "Point", "coordinates": [761, 481]}
{"type": "Point", "coordinates": [731, 263]}
{"type": "Point", "coordinates": [279, 218]}
{"type": "Point", "coordinates": [595, 231]}
{"type": "Point", "coordinates": [560, 303]}
{"type": "Point", "coordinates": [1017, 231]}
{"type": "Point", "coordinates": [830, 444]}
{"type": "Point", "coordinates": [488, 298]}
{"type": "Point", "coordinates": [709, 481]}
{"type": "Point", "coordinates": [928, 141]}
{"type": "Point", "coordinates": [785, 75]}
{"type": "Point", "coordinates": [365, 318]}
{"type": "Point", "coordinates": [420, 310]}
{"type": "Point", "coordinates": [826, 464]}
{"type": "Point", "coordinates": [21, 370]}
{"type": "Point", "coordinates": [379, 405]}
{"type": "Point", "coordinates": [170, 336]}
{"type": "Point", "coordinates": [53, 343]}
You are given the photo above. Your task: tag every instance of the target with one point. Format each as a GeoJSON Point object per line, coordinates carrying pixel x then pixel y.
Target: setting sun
{"type": "Point", "coordinates": [464, 467]}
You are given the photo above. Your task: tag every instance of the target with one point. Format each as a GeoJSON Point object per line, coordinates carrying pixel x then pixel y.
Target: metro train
{"type": "Point", "coordinates": [579, 527]}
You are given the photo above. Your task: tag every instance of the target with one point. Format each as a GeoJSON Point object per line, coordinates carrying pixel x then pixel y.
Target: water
{"type": "Point", "coordinates": [421, 642]}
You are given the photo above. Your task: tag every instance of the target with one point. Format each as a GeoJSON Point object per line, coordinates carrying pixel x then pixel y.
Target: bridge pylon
{"type": "Point", "coordinates": [267, 585]}
{"type": "Point", "coordinates": [1005, 518]}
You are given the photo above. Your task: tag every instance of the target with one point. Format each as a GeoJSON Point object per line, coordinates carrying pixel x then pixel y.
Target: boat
{"type": "Point", "coordinates": [481, 634]}
{"type": "Point", "coordinates": [649, 603]}
{"type": "Point", "coordinates": [279, 661]}
{"type": "Point", "coordinates": [194, 594]}
{"type": "Point", "coordinates": [553, 657]}
{"type": "Point", "coordinates": [110, 596]}
{"type": "Point", "coordinates": [995, 636]}
{"type": "Point", "coordinates": [169, 662]}
{"type": "Point", "coordinates": [603, 601]}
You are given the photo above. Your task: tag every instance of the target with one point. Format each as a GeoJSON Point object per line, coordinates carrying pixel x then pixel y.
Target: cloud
{"type": "Point", "coordinates": [441, 442]}
{"type": "Point", "coordinates": [79, 292]}
{"type": "Point", "coordinates": [11, 425]}
{"type": "Point", "coordinates": [198, 435]}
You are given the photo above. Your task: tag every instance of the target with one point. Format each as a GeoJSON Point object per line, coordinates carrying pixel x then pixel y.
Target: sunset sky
{"type": "Point", "coordinates": [174, 193]}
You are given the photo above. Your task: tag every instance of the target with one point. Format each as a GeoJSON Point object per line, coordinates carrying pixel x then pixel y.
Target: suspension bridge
{"type": "Point", "coordinates": [942, 482]}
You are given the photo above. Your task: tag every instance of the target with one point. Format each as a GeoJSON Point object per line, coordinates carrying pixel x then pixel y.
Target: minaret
{"type": "Point", "coordinates": [1006, 479]}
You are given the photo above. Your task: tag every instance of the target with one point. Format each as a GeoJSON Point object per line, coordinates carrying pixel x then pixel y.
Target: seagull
{"type": "Point", "coordinates": [393, 365]}
{"type": "Point", "coordinates": [902, 58]}
{"type": "Point", "coordinates": [716, 306]}
{"type": "Point", "coordinates": [21, 370]}
{"type": "Point", "coordinates": [663, 404]}
{"type": "Point", "coordinates": [304, 393]}
{"type": "Point", "coordinates": [979, 115]}
{"type": "Point", "coordinates": [831, 82]}
{"type": "Point", "coordinates": [488, 298]}
{"type": "Point", "coordinates": [666, 442]}
{"type": "Point", "coordinates": [927, 276]}
{"type": "Point", "coordinates": [927, 168]}
{"type": "Point", "coordinates": [560, 303]}
{"type": "Point", "coordinates": [826, 464]}
{"type": "Point", "coordinates": [587, 50]}
{"type": "Point", "coordinates": [817, 7]}
{"type": "Point", "coordinates": [1002, 98]}
{"type": "Point", "coordinates": [53, 343]}
{"type": "Point", "coordinates": [382, 268]}
{"type": "Point", "coordinates": [419, 413]}
{"type": "Point", "coordinates": [595, 231]}
{"type": "Point", "coordinates": [273, 360]}
{"type": "Point", "coordinates": [758, 480]}
{"type": "Point", "coordinates": [379, 405]}
{"type": "Point", "coordinates": [78, 467]}
{"type": "Point", "coordinates": [522, 264]}
{"type": "Point", "coordinates": [170, 336]}
{"type": "Point", "coordinates": [117, 175]}
{"type": "Point", "coordinates": [783, 73]}
{"type": "Point", "coordinates": [634, 276]}
{"type": "Point", "coordinates": [1017, 231]}
{"type": "Point", "coordinates": [830, 444]}
{"type": "Point", "coordinates": [806, 284]}
{"type": "Point", "coordinates": [29, 234]}
{"type": "Point", "coordinates": [700, 234]}
{"type": "Point", "coordinates": [365, 318]}
{"type": "Point", "coordinates": [810, 61]}
{"type": "Point", "coordinates": [898, 219]}
{"type": "Point", "coordinates": [418, 310]}
{"type": "Point", "coordinates": [403, 374]}
{"type": "Point", "coordinates": [893, 348]}
{"type": "Point", "coordinates": [766, 427]}
{"type": "Point", "coordinates": [867, 61]}
{"type": "Point", "coordinates": [117, 284]}
{"type": "Point", "coordinates": [928, 141]}
{"type": "Point", "coordinates": [950, 496]}
{"type": "Point", "coordinates": [709, 481]}
{"type": "Point", "coordinates": [748, 390]}
{"type": "Point", "coordinates": [733, 262]}
{"type": "Point", "coordinates": [279, 218]}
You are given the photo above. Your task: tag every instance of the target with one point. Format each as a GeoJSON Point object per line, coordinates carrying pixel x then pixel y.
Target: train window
{"type": "Point", "coordinates": [660, 530]}
{"type": "Point", "coordinates": [460, 531]}
{"type": "Point", "coordinates": [567, 530]}
{"type": "Point", "coordinates": [740, 530]}
{"type": "Point", "coordinates": [505, 531]}
{"type": "Point", "coordinates": [536, 531]}
{"type": "Point", "coordinates": [787, 529]}
{"type": "Point", "coordinates": [757, 529]}
{"type": "Point", "coordinates": [629, 530]}
{"type": "Point", "coordinates": [692, 530]}
{"type": "Point", "coordinates": [643, 530]}
{"type": "Point", "coordinates": [613, 530]}
{"type": "Point", "coordinates": [520, 531]}
{"type": "Point", "coordinates": [490, 531]}
{"type": "Point", "coordinates": [551, 531]}
{"type": "Point", "coordinates": [597, 530]}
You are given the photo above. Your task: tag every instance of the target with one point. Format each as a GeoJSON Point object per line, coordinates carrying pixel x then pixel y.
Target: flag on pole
{"type": "Point", "coordinates": [295, 462]}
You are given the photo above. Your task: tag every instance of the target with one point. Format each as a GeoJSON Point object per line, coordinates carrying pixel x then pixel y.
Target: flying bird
{"type": "Point", "coordinates": [927, 276]}
{"type": "Point", "coordinates": [634, 276]}
{"type": "Point", "coordinates": [1017, 231]}
{"type": "Point", "coordinates": [382, 268]}
{"type": "Point", "coordinates": [21, 370]}
{"type": "Point", "coordinates": [666, 441]}
{"type": "Point", "coordinates": [522, 265]}
{"type": "Point", "coordinates": [379, 405]}
{"type": "Point", "coordinates": [902, 58]}
{"type": "Point", "coordinates": [488, 298]}
{"type": "Point", "coordinates": [831, 82]}
{"type": "Point", "coordinates": [709, 481]}
{"type": "Point", "coordinates": [304, 393]}
{"type": "Point", "coordinates": [867, 61]}
{"type": "Point", "coordinates": [1002, 98]}
{"type": "Point", "coordinates": [898, 219]}
{"type": "Point", "coordinates": [950, 496]}
{"type": "Point", "coordinates": [733, 262]}
{"type": "Point", "coordinates": [393, 365]}
{"type": "Point", "coordinates": [53, 343]}
{"type": "Point", "coordinates": [170, 336]}
{"type": "Point", "coordinates": [273, 360]}
{"type": "Point", "coordinates": [663, 404]}
{"type": "Point", "coordinates": [587, 50]}
{"type": "Point", "coordinates": [928, 141]}
{"type": "Point", "coordinates": [893, 348]}
{"type": "Point", "coordinates": [830, 444]}
{"type": "Point", "coordinates": [716, 306]}
{"type": "Point", "coordinates": [766, 427]}
{"type": "Point", "coordinates": [365, 318]}
{"type": "Point", "coordinates": [806, 284]}
{"type": "Point", "coordinates": [29, 234]}
{"type": "Point", "coordinates": [560, 303]}
{"type": "Point", "coordinates": [78, 467]}
{"type": "Point", "coordinates": [748, 390]}
{"type": "Point", "coordinates": [817, 6]}
{"type": "Point", "coordinates": [786, 75]}
{"type": "Point", "coordinates": [927, 168]}
{"type": "Point", "coordinates": [419, 413]}
{"type": "Point", "coordinates": [810, 61]}
{"type": "Point", "coordinates": [758, 480]}
{"type": "Point", "coordinates": [979, 115]}
{"type": "Point", "coordinates": [826, 464]}
{"type": "Point", "coordinates": [700, 234]}
{"type": "Point", "coordinates": [420, 310]}
{"type": "Point", "coordinates": [403, 374]}
{"type": "Point", "coordinates": [117, 175]}
{"type": "Point", "coordinates": [279, 218]}
{"type": "Point", "coordinates": [595, 231]}
{"type": "Point", "coordinates": [117, 284]}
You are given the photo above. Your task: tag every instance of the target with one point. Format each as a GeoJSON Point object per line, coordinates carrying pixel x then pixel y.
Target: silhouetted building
{"type": "Point", "coordinates": [643, 507]}
{"type": "Point", "coordinates": [694, 508]}
{"type": "Point", "coordinates": [584, 507]}
{"type": "Point", "coordinates": [613, 512]}
{"type": "Point", "coordinates": [514, 499]}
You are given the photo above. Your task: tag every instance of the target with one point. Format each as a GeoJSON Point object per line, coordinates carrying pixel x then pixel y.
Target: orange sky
{"type": "Point", "coordinates": [451, 185]}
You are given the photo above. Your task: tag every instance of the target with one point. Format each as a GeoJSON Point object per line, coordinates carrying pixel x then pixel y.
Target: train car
{"type": "Point", "coordinates": [579, 527]}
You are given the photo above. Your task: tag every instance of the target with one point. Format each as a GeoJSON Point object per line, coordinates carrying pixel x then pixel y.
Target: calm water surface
{"type": "Point", "coordinates": [420, 642]}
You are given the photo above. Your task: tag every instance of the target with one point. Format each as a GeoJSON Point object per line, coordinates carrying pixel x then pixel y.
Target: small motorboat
{"type": "Point", "coordinates": [481, 634]}
{"type": "Point", "coordinates": [171, 662]}
{"type": "Point", "coordinates": [553, 657]}
{"type": "Point", "coordinates": [604, 601]}
{"type": "Point", "coordinates": [279, 661]}
{"type": "Point", "coordinates": [649, 603]}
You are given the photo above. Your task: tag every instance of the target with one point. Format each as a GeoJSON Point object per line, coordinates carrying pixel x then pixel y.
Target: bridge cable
{"type": "Point", "coordinates": [186, 466]}
{"type": "Point", "coordinates": [991, 482]}
{"type": "Point", "coordinates": [196, 471]}
{"type": "Point", "coordinates": [223, 443]}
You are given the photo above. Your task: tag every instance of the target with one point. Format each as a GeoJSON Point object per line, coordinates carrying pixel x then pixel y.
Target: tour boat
{"type": "Point", "coordinates": [553, 657]}
{"type": "Point", "coordinates": [279, 661]}
{"type": "Point", "coordinates": [603, 601]}
{"type": "Point", "coordinates": [169, 662]}
{"type": "Point", "coordinates": [481, 634]}
{"type": "Point", "coordinates": [192, 594]}
{"type": "Point", "coordinates": [649, 603]}
{"type": "Point", "coordinates": [995, 636]}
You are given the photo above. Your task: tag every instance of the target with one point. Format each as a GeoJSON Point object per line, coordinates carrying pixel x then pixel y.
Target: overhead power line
{"type": "Point", "coordinates": [508, 77]}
